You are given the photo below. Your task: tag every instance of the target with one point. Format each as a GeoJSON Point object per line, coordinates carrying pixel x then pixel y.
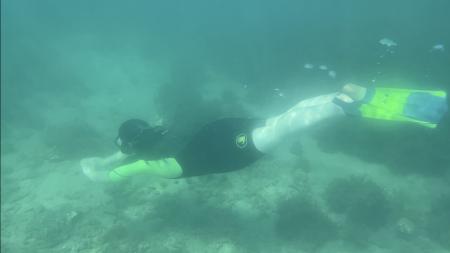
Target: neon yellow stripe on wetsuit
{"type": "Point", "coordinates": [157, 168]}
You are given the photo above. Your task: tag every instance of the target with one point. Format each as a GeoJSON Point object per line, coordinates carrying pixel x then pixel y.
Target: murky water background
{"type": "Point", "coordinates": [73, 71]}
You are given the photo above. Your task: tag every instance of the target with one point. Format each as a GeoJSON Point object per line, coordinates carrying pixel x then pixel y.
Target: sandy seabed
{"type": "Point", "coordinates": [48, 205]}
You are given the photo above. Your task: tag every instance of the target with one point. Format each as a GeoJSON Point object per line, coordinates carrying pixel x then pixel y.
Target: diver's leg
{"type": "Point", "coordinates": [354, 91]}
{"type": "Point", "coordinates": [320, 100]}
{"type": "Point", "coordinates": [302, 115]}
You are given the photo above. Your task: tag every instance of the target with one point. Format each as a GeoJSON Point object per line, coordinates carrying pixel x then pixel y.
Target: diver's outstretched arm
{"type": "Point", "coordinates": [117, 157]}
{"type": "Point", "coordinates": [90, 166]}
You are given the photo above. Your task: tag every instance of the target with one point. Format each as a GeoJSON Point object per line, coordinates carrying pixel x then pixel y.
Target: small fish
{"type": "Point", "coordinates": [323, 67]}
{"type": "Point", "coordinates": [332, 74]}
{"type": "Point", "coordinates": [388, 42]}
{"type": "Point", "coordinates": [309, 66]}
{"type": "Point", "coordinates": [280, 93]}
{"type": "Point", "coordinates": [438, 47]}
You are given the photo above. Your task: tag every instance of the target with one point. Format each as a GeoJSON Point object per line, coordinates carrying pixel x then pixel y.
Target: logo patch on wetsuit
{"type": "Point", "coordinates": [241, 140]}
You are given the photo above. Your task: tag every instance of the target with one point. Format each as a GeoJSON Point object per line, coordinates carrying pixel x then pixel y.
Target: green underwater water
{"type": "Point", "coordinates": [72, 72]}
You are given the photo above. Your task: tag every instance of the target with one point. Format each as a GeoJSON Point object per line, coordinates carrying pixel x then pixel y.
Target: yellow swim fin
{"type": "Point", "coordinates": [419, 106]}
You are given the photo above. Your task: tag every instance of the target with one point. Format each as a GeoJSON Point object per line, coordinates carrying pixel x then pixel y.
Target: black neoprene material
{"type": "Point", "coordinates": [222, 146]}
{"type": "Point", "coordinates": [350, 109]}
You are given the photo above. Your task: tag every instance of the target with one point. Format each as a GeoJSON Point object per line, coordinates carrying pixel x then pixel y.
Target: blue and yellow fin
{"type": "Point", "coordinates": [419, 106]}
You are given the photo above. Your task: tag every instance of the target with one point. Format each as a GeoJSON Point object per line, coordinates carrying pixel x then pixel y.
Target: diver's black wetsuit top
{"type": "Point", "coordinates": [222, 146]}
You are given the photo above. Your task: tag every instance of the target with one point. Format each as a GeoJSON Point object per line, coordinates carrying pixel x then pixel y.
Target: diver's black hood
{"type": "Point", "coordinates": [130, 129]}
{"type": "Point", "coordinates": [137, 138]}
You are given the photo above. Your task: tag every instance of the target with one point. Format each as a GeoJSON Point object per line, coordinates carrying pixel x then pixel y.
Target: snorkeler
{"type": "Point", "coordinates": [232, 144]}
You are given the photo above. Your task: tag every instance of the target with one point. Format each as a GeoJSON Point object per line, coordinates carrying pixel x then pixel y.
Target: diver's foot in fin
{"type": "Point", "coordinates": [345, 98]}
{"type": "Point", "coordinates": [354, 91]}
{"type": "Point", "coordinates": [347, 104]}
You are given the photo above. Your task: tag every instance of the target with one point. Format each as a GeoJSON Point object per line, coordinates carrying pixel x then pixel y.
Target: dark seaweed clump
{"type": "Point", "coordinates": [438, 225]}
{"type": "Point", "coordinates": [403, 147]}
{"type": "Point", "coordinates": [364, 202]}
{"type": "Point", "coordinates": [365, 205]}
{"type": "Point", "coordinates": [301, 219]}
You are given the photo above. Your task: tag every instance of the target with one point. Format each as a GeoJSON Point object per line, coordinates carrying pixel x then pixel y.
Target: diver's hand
{"type": "Point", "coordinates": [89, 166]}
